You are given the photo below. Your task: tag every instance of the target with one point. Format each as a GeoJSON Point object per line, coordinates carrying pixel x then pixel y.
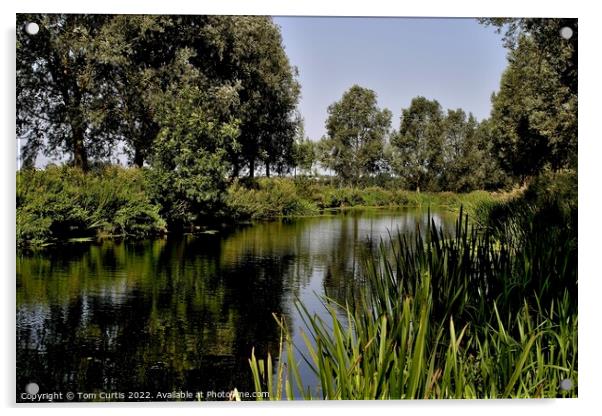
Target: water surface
{"type": "Point", "coordinates": [183, 313]}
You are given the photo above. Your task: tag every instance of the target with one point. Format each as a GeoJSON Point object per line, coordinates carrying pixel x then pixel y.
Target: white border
{"type": "Point", "coordinates": [590, 372]}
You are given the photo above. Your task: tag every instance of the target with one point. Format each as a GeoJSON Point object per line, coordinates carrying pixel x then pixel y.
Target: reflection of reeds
{"type": "Point", "coordinates": [463, 316]}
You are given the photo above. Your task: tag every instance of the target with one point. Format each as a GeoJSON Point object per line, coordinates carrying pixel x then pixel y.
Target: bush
{"type": "Point", "coordinates": [539, 222]}
{"type": "Point", "coordinates": [376, 197]}
{"type": "Point", "coordinates": [63, 202]}
{"type": "Point", "coordinates": [270, 198]}
{"type": "Point", "coordinates": [548, 204]}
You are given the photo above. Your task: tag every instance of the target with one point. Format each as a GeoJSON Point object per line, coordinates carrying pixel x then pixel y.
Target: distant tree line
{"type": "Point", "coordinates": [431, 149]}
{"type": "Point", "coordinates": [532, 127]}
{"type": "Point", "coordinates": [202, 100]}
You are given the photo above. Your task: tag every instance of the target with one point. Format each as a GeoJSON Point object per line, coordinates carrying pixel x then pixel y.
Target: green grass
{"type": "Point", "coordinates": [462, 316]}
{"type": "Point", "coordinates": [61, 202]}
{"type": "Point", "coordinates": [288, 197]}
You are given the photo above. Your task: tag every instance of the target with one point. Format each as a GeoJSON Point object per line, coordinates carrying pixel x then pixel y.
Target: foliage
{"type": "Point", "coordinates": [61, 202]}
{"type": "Point", "coordinates": [544, 212]}
{"type": "Point", "coordinates": [247, 52]}
{"type": "Point", "coordinates": [534, 116]}
{"type": "Point", "coordinates": [534, 113]}
{"type": "Point", "coordinates": [64, 104]}
{"type": "Point", "coordinates": [436, 151]}
{"type": "Point", "coordinates": [272, 198]}
{"type": "Point", "coordinates": [445, 316]}
{"type": "Point", "coordinates": [276, 197]}
{"type": "Point", "coordinates": [86, 83]}
{"type": "Point", "coordinates": [417, 154]}
{"type": "Point", "coordinates": [305, 151]}
{"type": "Point", "coordinates": [189, 162]}
{"type": "Point", "coordinates": [137, 48]}
{"type": "Point", "coordinates": [561, 54]}
{"type": "Point", "coordinates": [356, 130]}
{"type": "Point", "coordinates": [184, 197]}
{"type": "Point", "coordinates": [468, 162]}
{"type": "Point", "coordinates": [487, 170]}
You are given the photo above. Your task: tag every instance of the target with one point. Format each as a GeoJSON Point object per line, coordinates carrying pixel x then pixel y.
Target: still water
{"type": "Point", "coordinates": [183, 313]}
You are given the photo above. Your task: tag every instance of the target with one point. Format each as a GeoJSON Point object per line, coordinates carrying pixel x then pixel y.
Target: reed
{"type": "Point", "coordinates": [441, 316]}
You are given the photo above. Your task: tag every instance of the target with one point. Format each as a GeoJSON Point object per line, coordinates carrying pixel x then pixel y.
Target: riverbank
{"type": "Point", "coordinates": [59, 203]}
{"type": "Point", "coordinates": [287, 197]}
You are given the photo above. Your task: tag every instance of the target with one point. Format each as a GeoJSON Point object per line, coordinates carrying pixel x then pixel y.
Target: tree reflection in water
{"type": "Point", "coordinates": [182, 313]}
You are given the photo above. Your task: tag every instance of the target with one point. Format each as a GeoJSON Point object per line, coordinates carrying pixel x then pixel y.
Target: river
{"type": "Point", "coordinates": [183, 313]}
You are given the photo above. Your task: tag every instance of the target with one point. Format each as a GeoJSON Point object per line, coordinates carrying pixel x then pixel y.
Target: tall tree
{"type": "Point", "coordinates": [64, 102]}
{"type": "Point", "coordinates": [534, 115]}
{"type": "Point", "coordinates": [491, 176]}
{"type": "Point", "coordinates": [357, 129]}
{"type": "Point", "coordinates": [417, 154]}
{"type": "Point", "coordinates": [461, 155]}
{"type": "Point", "coordinates": [247, 51]}
{"type": "Point", "coordinates": [560, 53]}
{"type": "Point", "coordinates": [198, 129]}
{"type": "Point", "coordinates": [468, 154]}
{"type": "Point", "coordinates": [305, 153]}
{"type": "Point", "coordinates": [139, 47]}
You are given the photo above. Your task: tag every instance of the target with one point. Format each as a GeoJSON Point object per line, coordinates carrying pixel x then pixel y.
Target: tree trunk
{"type": "Point", "coordinates": [80, 158]}
{"type": "Point", "coordinates": [252, 168]}
{"type": "Point", "coordinates": [138, 157]}
{"type": "Point", "coordinates": [235, 170]}
{"type": "Point", "coordinates": [267, 169]}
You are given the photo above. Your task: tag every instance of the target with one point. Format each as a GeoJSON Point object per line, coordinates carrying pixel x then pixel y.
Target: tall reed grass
{"type": "Point", "coordinates": [441, 316]}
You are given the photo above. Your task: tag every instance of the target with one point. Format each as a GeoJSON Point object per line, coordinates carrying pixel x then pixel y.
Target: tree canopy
{"type": "Point", "coordinates": [356, 131]}
{"type": "Point", "coordinates": [64, 102]}
{"type": "Point", "coordinates": [88, 82]}
{"type": "Point", "coordinates": [417, 146]}
{"type": "Point", "coordinates": [534, 114]}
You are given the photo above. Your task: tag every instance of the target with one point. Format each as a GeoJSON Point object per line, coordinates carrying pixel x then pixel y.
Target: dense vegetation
{"type": "Point", "coordinates": [205, 103]}
{"type": "Point", "coordinates": [62, 202]}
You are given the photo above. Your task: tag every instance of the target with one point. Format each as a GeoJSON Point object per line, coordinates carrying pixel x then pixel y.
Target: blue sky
{"type": "Point", "coordinates": [455, 61]}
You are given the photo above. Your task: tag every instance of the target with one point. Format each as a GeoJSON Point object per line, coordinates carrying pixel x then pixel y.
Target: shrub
{"type": "Point", "coordinates": [63, 202]}
{"type": "Point", "coordinates": [376, 197]}
{"type": "Point", "coordinates": [547, 205]}
{"type": "Point", "coordinates": [273, 197]}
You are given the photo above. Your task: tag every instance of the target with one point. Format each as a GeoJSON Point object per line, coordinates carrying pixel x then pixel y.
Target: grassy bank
{"type": "Point", "coordinates": [474, 315]}
{"type": "Point", "coordinates": [61, 202]}
{"type": "Point", "coordinates": [275, 197]}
